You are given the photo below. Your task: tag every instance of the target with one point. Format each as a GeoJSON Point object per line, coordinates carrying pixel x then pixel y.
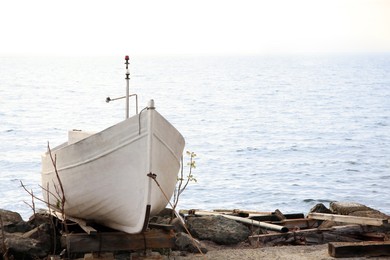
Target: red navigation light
{"type": "Point", "coordinates": [126, 57]}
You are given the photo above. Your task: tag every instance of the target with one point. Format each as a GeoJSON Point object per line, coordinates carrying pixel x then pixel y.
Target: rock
{"type": "Point", "coordinates": [26, 248]}
{"type": "Point", "coordinates": [19, 227]}
{"type": "Point", "coordinates": [218, 229]}
{"type": "Point", "coordinates": [13, 222]}
{"type": "Point", "coordinates": [184, 242]}
{"type": "Point", "coordinates": [355, 209]}
{"type": "Point", "coordinates": [40, 218]}
{"type": "Point", "coordinates": [320, 208]}
{"type": "Point", "coordinates": [178, 225]}
{"type": "Point", "coordinates": [10, 217]}
{"type": "Point", "coordinates": [26, 240]}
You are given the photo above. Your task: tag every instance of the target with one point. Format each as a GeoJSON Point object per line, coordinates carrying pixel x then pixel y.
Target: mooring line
{"type": "Point", "coordinates": [154, 177]}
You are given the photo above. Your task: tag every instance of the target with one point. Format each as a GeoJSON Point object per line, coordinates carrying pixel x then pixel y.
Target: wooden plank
{"type": "Point", "coordinates": [243, 220]}
{"type": "Point", "coordinates": [279, 215]}
{"type": "Point", "coordinates": [349, 219]}
{"type": "Point", "coordinates": [117, 241]}
{"type": "Point", "coordinates": [273, 217]}
{"type": "Point", "coordinates": [298, 223]}
{"type": "Point", "coordinates": [166, 227]}
{"type": "Point", "coordinates": [314, 235]}
{"type": "Point", "coordinates": [359, 249]}
{"type": "Point", "coordinates": [81, 222]}
{"type": "Point", "coordinates": [84, 225]}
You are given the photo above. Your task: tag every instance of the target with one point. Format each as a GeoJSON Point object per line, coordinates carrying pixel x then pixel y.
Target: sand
{"type": "Point", "coordinates": [317, 252]}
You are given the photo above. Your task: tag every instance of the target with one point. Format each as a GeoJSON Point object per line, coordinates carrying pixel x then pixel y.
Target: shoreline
{"type": "Point", "coordinates": [217, 235]}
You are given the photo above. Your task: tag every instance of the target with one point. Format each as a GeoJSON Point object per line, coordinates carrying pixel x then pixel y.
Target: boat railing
{"type": "Point", "coordinates": [108, 99]}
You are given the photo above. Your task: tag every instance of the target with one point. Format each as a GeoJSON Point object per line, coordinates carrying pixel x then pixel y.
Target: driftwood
{"type": "Point", "coordinates": [274, 216]}
{"type": "Point", "coordinates": [349, 219]}
{"type": "Point", "coordinates": [359, 249]}
{"type": "Point", "coordinates": [243, 220]}
{"type": "Point", "coordinates": [299, 223]}
{"type": "Point", "coordinates": [351, 233]}
{"type": "Point", "coordinates": [251, 214]}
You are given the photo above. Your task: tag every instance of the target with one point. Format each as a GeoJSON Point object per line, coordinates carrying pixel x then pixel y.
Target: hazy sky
{"type": "Point", "coordinates": [198, 27]}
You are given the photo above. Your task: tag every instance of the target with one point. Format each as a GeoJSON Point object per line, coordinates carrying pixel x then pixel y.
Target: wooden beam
{"type": "Point", "coordinates": [117, 241]}
{"type": "Point", "coordinates": [243, 220]}
{"type": "Point", "coordinates": [310, 236]}
{"type": "Point", "coordinates": [81, 222]}
{"type": "Point", "coordinates": [349, 219]}
{"type": "Point", "coordinates": [273, 217]}
{"type": "Point", "coordinates": [298, 223]}
{"type": "Point", "coordinates": [359, 249]}
{"type": "Point", "coordinates": [84, 225]}
{"type": "Point", "coordinates": [279, 214]}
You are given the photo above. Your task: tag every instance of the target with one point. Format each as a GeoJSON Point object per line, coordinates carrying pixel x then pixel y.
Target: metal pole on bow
{"type": "Point", "coordinates": [127, 85]}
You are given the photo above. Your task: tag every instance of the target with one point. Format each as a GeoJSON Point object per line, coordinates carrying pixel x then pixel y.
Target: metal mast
{"type": "Point", "coordinates": [127, 85]}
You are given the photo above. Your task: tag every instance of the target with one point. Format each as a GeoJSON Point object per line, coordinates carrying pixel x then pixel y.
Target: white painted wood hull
{"type": "Point", "coordinates": [104, 175]}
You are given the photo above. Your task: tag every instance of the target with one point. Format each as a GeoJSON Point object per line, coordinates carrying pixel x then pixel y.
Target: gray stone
{"type": "Point", "coordinates": [26, 248]}
{"type": "Point", "coordinates": [218, 229]}
{"type": "Point", "coordinates": [10, 217]}
{"type": "Point", "coordinates": [320, 208]}
{"type": "Point", "coordinates": [13, 222]}
{"type": "Point", "coordinates": [355, 209]}
{"type": "Point", "coordinates": [178, 225]}
{"type": "Point", "coordinates": [26, 240]}
{"type": "Point", "coordinates": [184, 242]}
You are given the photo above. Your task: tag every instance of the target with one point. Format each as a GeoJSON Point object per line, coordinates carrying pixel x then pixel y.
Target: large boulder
{"type": "Point", "coordinates": [27, 240]}
{"type": "Point", "coordinates": [9, 217]}
{"type": "Point", "coordinates": [13, 222]}
{"type": "Point", "coordinates": [355, 209]}
{"type": "Point", "coordinates": [218, 229]}
{"type": "Point", "coordinates": [320, 208]}
{"type": "Point", "coordinates": [25, 248]}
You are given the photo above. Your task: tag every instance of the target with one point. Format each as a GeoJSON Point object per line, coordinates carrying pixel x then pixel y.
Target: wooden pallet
{"type": "Point", "coordinates": [117, 241]}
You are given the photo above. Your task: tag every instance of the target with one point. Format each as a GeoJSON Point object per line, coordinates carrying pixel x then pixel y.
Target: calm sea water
{"type": "Point", "coordinates": [270, 132]}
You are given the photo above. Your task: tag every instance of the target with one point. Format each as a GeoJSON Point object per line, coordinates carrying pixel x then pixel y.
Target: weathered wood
{"type": "Point", "coordinates": [312, 236]}
{"type": "Point", "coordinates": [166, 227]}
{"type": "Point", "coordinates": [279, 214]}
{"type": "Point", "coordinates": [298, 223]}
{"type": "Point", "coordinates": [273, 217]}
{"type": "Point", "coordinates": [359, 249]}
{"type": "Point", "coordinates": [349, 219]}
{"type": "Point", "coordinates": [117, 241]}
{"type": "Point", "coordinates": [243, 220]}
{"type": "Point", "coordinates": [84, 225]}
{"type": "Point", "coordinates": [251, 214]}
{"type": "Point", "coordinates": [81, 222]}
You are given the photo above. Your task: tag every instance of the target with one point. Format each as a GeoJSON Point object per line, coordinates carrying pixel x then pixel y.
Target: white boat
{"type": "Point", "coordinates": [104, 175]}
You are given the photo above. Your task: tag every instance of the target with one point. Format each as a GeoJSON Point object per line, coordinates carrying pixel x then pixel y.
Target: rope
{"type": "Point", "coordinates": [154, 177]}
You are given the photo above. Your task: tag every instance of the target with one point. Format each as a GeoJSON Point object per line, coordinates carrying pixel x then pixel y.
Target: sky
{"type": "Point", "coordinates": [95, 27]}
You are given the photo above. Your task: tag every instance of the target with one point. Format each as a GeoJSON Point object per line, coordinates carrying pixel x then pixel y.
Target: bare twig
{"type": "Point", "coordinates": [32, 194]}
{"type": "Point", "coordinates": [32, 206]}
{"type": "Point", "coordinates": [54, 162]}
{"type": "Point", "coordinates": [61, 194]}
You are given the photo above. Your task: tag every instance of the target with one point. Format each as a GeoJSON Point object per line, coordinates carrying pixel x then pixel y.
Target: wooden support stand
{"type": "Point", "coordinates": [359, 249]}
{"type": "Point", "coordinates": [117, 241]}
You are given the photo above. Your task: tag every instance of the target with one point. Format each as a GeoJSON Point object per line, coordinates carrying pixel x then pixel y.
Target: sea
{"type": "Point", "coordinates": [269, 131]}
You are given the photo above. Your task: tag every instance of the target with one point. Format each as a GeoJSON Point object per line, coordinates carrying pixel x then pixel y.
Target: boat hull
{"type": "Point", "coordinates": [104, 176]}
